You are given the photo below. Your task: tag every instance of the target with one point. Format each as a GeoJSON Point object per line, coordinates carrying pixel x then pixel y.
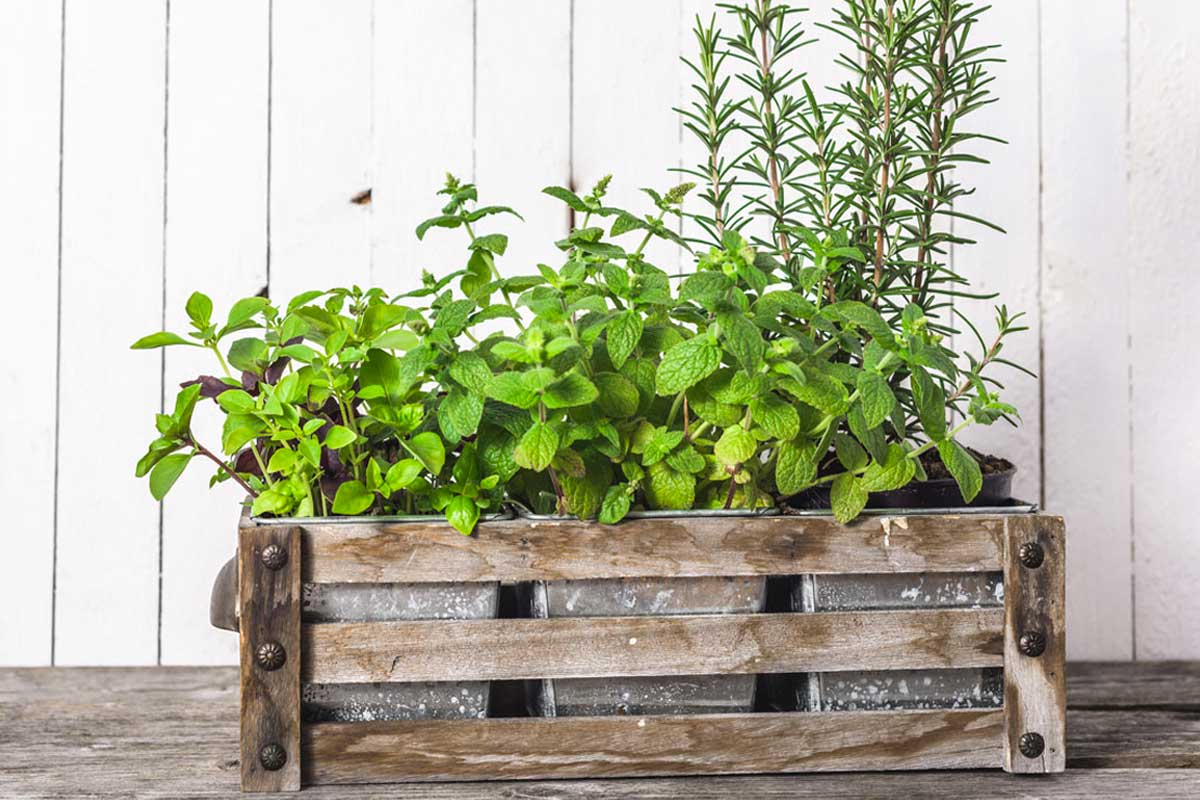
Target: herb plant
{"type": "Point", "coordinates": [811, 345]}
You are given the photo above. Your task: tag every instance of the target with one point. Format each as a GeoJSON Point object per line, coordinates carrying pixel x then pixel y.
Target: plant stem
{"type": "Point", "coordinates": [204, 451]}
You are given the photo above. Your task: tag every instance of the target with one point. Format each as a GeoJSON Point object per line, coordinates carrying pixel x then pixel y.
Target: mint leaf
{"type": "Point", "coordinates": [736, 446]}
{"type": "Point", "coordinates": [743, 340]}
{"type": "Point", "coordinates": [618, 396]}
{"type": "Point", "coordinates": [686, 364]}
{"type": "Point", "coordinates": [877, 398]}
{"type": "Point", "coordinates": [894, 473]}
{"type": "Point", "coordinates": [569, 391]}
{"type": "Point", "coordinates": [471, 372]}
{"type": "Point", "coordinates": [510, 388]}
{"type": "Point", "coordinates": [930, 401]}
{"type": "Point", "coordinates": [863, 316]}
{"type": "Point", "coordinates": [615, 505]}
{"type": "Point", "coordinates": [624, 333]}
{"type": "Point", "coordinates": [775, 416]}
{"type": "Point", "coordinates": [706, 288]}
{"type": "Point", "coordinates": [963, 466]}
{"type": "Point", "coordinates": [462, 514]}
{"type": "Point", "coordinates": [849, 497]}
{"type": "Point", "coordinates": [669, 489]}
{"type": "Point", "coordinates": [537, 447]}
{"type": "Point", "coordinates": [459, 414]}
{"type": "Point", "coordinates": [660, 445]}
{"type": "Point", "coordinates": [849, 452]}
{"type": "Point", "coordinates": [795, 469]}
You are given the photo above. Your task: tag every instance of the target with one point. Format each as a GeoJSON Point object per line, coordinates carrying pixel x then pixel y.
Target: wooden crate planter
{"type": "Point", "coordinates": [1026, 637]}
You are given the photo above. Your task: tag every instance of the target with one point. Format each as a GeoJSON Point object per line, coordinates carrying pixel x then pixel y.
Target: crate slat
{"type": "Point", "coordinates": [524, 550]}
{"type": "Point", "coordinates": [1035, 687]}
{"type": "Point", "coordinates": [510, 649]}
{"type": "Point", "coordinates": [593, 747]}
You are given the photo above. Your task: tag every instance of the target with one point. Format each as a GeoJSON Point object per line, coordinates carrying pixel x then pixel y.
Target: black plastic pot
{"type": "Point", "coordinates": [940, 493]}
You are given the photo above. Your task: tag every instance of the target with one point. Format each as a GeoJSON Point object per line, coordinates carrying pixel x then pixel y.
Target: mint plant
{"type": "Point", "coordinates": [812, 345]}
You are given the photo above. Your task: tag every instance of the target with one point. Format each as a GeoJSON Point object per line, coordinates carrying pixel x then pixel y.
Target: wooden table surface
{"type": "Point", "coordinates": [171, 732]}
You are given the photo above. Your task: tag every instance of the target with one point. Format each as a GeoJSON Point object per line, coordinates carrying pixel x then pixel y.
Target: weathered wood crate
{"type": "Point", "coordinates": [1026, 638]}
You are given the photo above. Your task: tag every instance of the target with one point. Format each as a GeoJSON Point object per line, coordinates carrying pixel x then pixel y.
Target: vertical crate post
{"type": "Point", "coordinates": [1035, 696]}
{"type": "Point", "coordinates": [269, 599]}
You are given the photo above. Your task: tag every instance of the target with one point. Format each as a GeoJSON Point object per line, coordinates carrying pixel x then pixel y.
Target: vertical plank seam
{"type": "Point", "coordinates": [1041, 258]}
{"type": "Point", "coordinates": [270, 117]}
{"type": "Point", "coordinates": [163, 314]}
{"type": "Point", "coordinates": [1129, 333]}
{"type": "Point", "coordinates": [62, 70]}
{"type": "Point", "coordinates": [474, 90]}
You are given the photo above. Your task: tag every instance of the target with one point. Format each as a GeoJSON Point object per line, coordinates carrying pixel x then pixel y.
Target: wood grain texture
{"type": "Point", "coordinates": [270, 612]}
{"type": "Point", "coordinates": [30, 66]}
{"type": "Point", "coordinates": [1035, 694]}
{"type": "Point", "coordinates": [519, 550]}
{"type": "Point", "coordinates": [648, 746]}
{"type": "Point", "coordinates": [629, 646]}
{"type": "Point", "coordinates": [216, 242]}
{"type": "Point", "coordinates": [111, 295]}
{"type": "Point", "coordinates": [422, 59]}
{"type": "Point", "coordinates": [1085, 320]}
{"type": "Point", "coordinates": [167, 733]}
{"type": "Point", "coordinates": [1164, 188]}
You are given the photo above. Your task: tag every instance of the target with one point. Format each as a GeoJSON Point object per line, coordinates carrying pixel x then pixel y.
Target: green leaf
{"type": "Point", "coordinates": [821, 392]}
{"type": "Point", "coordinates": [567, 196]}
{"type": "Point", "coordinates": [618, 398]}
{"type": "Point", "coordinates": [569, 391]}
{"type": "Point", "coordinates": [661, 443]}
{"type": "Point", "coordinates": [401, 474]}
{"type": "Point", "coordinates": [963, 466]}
{"type": "Point", "coordinates": [249, 355]}
{"type": "Point", "coordinates": [849, 452]}
{"type": "Point", "coordinates": [795, 467]}
{"type": "Point", "coordinates": [586, 494]}
{"type": "Point", "coordinates": [894, 473]}
{"type": "Point", "coordinates": [352, 498]}
{"type": "Point", "coordinates": [471, 372]}
{"type": "Point", "coordinates": [743, 340]}
{"type": "Point", "coordinates": [493, 242]}
{"type": "Point", "coordinates": [379, 379]}
{"type": "Point", "coordinates": [166, 472]}
{"type": "Point", "coordinates": [381, 317]}
{"type": "Point", "coordinates": [243, 310]}
{"type": "Point", "coordinates": [877, 398]}
{"type": "Point", "coordinates": [442, 221]}
{"type": "Point", "coordinates": [238, 430]}
{"type": "Point", "coordinates": [310, 450]}
{"type": "Point", "coordinates": [706, 288]}
{"type": "Point", "coordinates": [848, 497]}
{"type": "Point", "coordinates": [459, 414]}
{"type": "Point", "coordinates": [199, 309]}
{"type": "Point", "coordinates": [624, 333]}
{"type": "Point", "coordinates": [669, 489]}
{"type": "Point", "coordinates": [510, 388]}
{"type": "Point", "coordinates": [462, 513]}
{"type": "Point", "coordinates": [427, 447]}
{"type": "Point", "coordinates": [775, 416]}
{"type": "Point", "coordinates": [863, 316]}
{"type": "Point", "coordinates": [185, 404]}
{"type": "Point", "coordinates": [163, 339]}
{"type": "Point", "coordinates": [537, 447]}
{"type": "Point", "coordinates": [625, 223]}
{"type": "Point", "coordinates": [452, 317]}
{"type": "Point", "coordinates": [282, 461]}
{"type": "Point", "coordinates": [687, 459]}
{"type": "Point", "coordinates": [873, 439]}
{"type": "Point", "coordinates": [930, 401]}
{"type": "Point", "coordinates": [615, 505]}
{"type": "Point", "coordinates": [686, 364]}
{"type": "Point", "coordinates": [340, 436]}
{"type": "Point", "coordinates": [736, 446]}
{"type": "Point", "coordinates": [271, 501]}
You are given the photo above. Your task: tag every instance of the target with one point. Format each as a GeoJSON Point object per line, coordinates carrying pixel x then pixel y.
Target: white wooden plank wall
{"type": "Point", "coordinates": [217, 146]}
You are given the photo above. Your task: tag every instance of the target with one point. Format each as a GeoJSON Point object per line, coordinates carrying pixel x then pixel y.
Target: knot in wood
{"type": "Point", "coordinates": [270, 656]}
{"type": "Point", "coordinates": [274, 557]}
{"type": "Point", "coordinates": [1032, 644]}
{"type": "Point", "coordinates": [1031, 555]}
{"type": "Point", "coordinates": [272, 757]}
{"type": "Point", "coordinates": [1031, 745]}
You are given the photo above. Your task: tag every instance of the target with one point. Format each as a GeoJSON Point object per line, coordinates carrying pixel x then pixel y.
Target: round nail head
{"type": "Point", "coordinates": [1032, 555]}
{"type": "Point", "coordinates": [1033, 644]}
{"type": "Point", "coordinates": [270, 656]}
{"type": "Point", "coordinates": [1032, 745]}
{"type": "Point", "coordinates": [274, 557]}
{"type": "Point", "coordinates": [272, 757]}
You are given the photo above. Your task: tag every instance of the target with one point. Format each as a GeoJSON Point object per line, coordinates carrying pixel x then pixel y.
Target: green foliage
{"type": "Point", "coordinates": [813, 344]}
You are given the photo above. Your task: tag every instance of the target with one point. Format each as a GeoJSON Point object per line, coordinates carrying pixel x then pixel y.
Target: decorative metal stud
{"type": "Point", "coordinates": [273, 757]}
{"type": "Point", "coordinates": [270, 656]}
{"type": "Point", "coordinates": [1032, 745]}
{"type": "Point", "coordinates": [274, 557]}
{"type": "Point", "coordinates": [1032, 644]}
{"type": "Point", "coordinates": [1031, 555]}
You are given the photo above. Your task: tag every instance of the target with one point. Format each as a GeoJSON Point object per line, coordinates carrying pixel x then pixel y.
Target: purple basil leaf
{"type": "Point", "coordinates": [210, 386]}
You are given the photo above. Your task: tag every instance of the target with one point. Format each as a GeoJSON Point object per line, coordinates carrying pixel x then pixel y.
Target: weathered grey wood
{"type": "Point", "coordinates": [270, 698]}
{"type": "Point", "coordinates": [595, 747]}
{"type": "Point", "coordinates": [172, 732]}
{"type": "Point", "coordinates": [1035, 693]}
{"type": "Point", "coordinates": [1162, 685]}
{"type": "Point", "coordinates": [522, 550]}
{"type": "Point", "coordinates": [629, 646]}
